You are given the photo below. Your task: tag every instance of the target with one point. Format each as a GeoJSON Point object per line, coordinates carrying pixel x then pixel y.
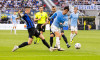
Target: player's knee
{"type": "Point", "coordinates": [60, 38]}
{"type": "Point", "coordinates": [29, 43]}
{"type": "Point", "coordinates": [72, 32]}
{"type": "Point", "coordinates": [62, 33]}
{"type": "Point", "coordinates": [51, 35]}
{"type": "Point", "coordinates": [76, 33]}
{"type": "Point", "coordinates": [41, 37]}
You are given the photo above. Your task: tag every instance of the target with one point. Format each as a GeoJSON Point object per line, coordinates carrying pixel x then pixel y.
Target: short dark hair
{"type": "Point", "coordinates": [40, 6]}
{"type": "Point", "coordinates": [66, 7]}
{"type": "Point", "coordinates": [53, 6]}
{"type": "Point", "coordinates": [27, 7]}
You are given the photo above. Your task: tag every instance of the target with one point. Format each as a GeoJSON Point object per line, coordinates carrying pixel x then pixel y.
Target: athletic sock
{"type": "Point", "coordinates": [58, 42]}
{"type": "Point", "coordinates": [23, 44]}
{"type": "Point", "coordinates": [11, 30]}
{"type": "Point", "coordinates": [15, 31]}
{"type": "Point", "coordinates": [51, 41]}
{"type": "Point", "coordinates": [74, 35]}
{"type": "Point", "coordinates": [45, 43]}
{"type": "Point", "coordinates": [71, 37]}
{"type": "Point", "coordinates": [65, 39]}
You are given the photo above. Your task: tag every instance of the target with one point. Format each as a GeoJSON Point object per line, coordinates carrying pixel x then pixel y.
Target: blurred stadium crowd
{"type": "Point", "coordinates": [20, 4]}
{"type": "Point", "coordinates": [7, 7]}
{"type": "Point", "coordinates": [76, 2]}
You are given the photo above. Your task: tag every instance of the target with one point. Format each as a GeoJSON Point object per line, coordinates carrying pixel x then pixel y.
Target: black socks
{"type": "Point", "coordinates": [45, 43]}
{"type": "Point", "coordinates": [23, 44]}
{"type": "Point", "coordinates": [51, 41]}
{"type": "Point", "coordinates": [65, 38]}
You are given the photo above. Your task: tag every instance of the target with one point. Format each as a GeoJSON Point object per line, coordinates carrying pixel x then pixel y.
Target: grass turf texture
{"type": "Point", "coordinates": [90, 47]}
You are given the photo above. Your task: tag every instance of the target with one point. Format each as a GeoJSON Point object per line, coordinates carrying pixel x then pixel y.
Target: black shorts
{"type": "Point", "coordinates": [39, 27]}
{"type": "Point", "coordinates": [33, 32]}
{"type": "Point", "coordinates": [62, 31]}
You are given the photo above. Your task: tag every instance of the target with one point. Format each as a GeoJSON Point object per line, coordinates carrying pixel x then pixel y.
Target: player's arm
{"type": "Point", "coordinates": [11, 19]}
{"type": "Point", "coordinates": [78, 21]}
{"type": "Point", "coordinates": [36, 17]}
{"type": "Point", "coordinates": [53, 16]}
{"type": "Point", "coordinates": [20, 15]}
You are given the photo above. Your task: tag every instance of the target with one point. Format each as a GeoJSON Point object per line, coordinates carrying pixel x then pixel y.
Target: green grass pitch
{"type": "Point", "coordinates": [90, 50]}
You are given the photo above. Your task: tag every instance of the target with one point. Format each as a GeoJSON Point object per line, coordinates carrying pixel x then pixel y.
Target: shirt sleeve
{"type": "Point", "coordinates": [55, 14]}
{"type": "Point", "coordinates": [70, 16]}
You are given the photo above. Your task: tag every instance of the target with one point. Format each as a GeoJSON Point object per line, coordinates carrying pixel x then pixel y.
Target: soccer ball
{"type": "Point", "coordinates": [77, 45]}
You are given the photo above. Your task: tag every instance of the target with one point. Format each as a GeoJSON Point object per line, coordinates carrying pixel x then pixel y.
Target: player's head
{"type": "Point", "coordinates": [27, 9]}
{"type": "Point", "coordinates": [14, 13]}
{"type": "Point", "coordinates": [66, 9]}
{"type": "Point", "coordinates": [75, 9]}
{"type": "Point", "coordinates": [53, 9]}
{"type": "Point", "coordinates": [41, 8]}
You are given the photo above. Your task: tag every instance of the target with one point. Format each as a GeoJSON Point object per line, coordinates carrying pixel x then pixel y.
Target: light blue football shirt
{"type": "Point", "coordinates": [74, 17]}
{"type": "Point", "coordinates": [60, 18]}
{"type": "Point", "coordinates": [14, 18]}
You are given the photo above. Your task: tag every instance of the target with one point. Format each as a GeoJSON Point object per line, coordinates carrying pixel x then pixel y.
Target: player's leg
{"type": "Point", "coordinates": [23, 44]}
{"type": "Point", "coordinates": [15, 29]}
{"type": "Point", "coordinates": [12, 28]}
{"type": "Point", "coordinates": [57, 39]}
{"type": "Point", "coordinates": [72, 34]}
{"type": "Point", "coordinates": [31, 32]}
{"type": "Point", "coordinates": [65, 39]}
{"type": "Point", "coordinates": [75, 32]}
{"type": "Point", "coordinates": [36, 38]}
{"type": "Point", "coordinates": [38, 34]}
{"type": "Point", "coordinates": [51, 37]}
{"type": "Point", "coordinates": [44, 41]}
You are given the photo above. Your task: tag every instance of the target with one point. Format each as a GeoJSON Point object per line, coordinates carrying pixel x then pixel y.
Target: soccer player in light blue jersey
{"type": "Point", "coordinates": [13, 19]}
{"type": "Point", "coordinates": [74, 20]}
{"type": "Point", "coordinates": [61, 17]}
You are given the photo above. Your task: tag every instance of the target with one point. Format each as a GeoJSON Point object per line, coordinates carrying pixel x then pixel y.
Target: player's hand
{"type": "Point", "coordinates": [78, 23]}
{"type": "Point", "coordinates": [60, 23]}
{"type": "Point", "coordinates": [42, 26]}
{"type": "Point", "coordinates": [39, 19]}
{"type": "Point", "coordinates": [49, 18]}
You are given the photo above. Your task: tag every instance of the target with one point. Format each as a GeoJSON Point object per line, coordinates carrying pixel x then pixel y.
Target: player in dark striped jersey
{"type": "Point", "coordinates": [31, 30]}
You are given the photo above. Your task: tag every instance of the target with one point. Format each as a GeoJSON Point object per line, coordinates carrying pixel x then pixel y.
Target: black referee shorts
{"type": "Point", "coordinates": [39, 27]}
{"type": "Point", "coordinates": [33, 32]}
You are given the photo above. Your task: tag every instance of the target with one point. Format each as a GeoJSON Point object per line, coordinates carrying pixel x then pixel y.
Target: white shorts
{"type": "Point", "coordinates": [14, 24]}
{"type": "Point", "coordinates": [74, 28]}
{"type": "Point", "coordinates": [55, 29]}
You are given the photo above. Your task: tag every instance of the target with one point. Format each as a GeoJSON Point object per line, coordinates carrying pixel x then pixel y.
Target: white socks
{"type": "Point", "coordinates": [58, 42]}
{"type": "Point", "coordinates": [11, 30]}
{"type": "Point", "coordinates": [72, 36]}
{"type": "Point", "coordinates": [14, 30]}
